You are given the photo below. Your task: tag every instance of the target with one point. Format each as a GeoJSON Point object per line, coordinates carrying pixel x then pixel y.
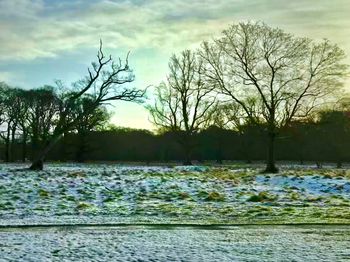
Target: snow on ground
{"type": "Point", "coordinates": [96, 193]}
{"type": "Point", "coordinates": [245, 243]}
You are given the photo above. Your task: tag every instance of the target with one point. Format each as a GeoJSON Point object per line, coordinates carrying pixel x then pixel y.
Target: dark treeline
{"type": "Point", "coordinates": [326, 138]}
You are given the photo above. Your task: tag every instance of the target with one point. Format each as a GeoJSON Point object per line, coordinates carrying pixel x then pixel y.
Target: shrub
{"type": "Point", "coordinates": [261, 197]}
{"type": "Point", "coordinates": [215, 196]}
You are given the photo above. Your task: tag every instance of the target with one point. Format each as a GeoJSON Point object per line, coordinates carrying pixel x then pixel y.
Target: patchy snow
{"type": "Point", "coordinates": [93, 193]}
{"type": "Point", "coordinates": [313, 185]}
{"type": "Point", "coordinates": [264, 243]}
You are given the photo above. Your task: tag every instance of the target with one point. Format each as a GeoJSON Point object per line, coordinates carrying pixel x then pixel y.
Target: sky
{"type": "Point", "coordinates": [46, 40]}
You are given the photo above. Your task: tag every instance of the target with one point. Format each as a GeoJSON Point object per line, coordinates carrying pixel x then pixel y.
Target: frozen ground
{"type": "Point", "coordinates": [244, 243]}
{"type": "Point", "coordinates": [79, 194]}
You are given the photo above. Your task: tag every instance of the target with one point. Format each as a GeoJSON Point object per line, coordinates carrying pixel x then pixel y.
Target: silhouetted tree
{"type": "Point", "coordinates": [183, 104]}
{"type": "Point", "coordinates": [23, 120]}
{"type": "Point", "coordinates": [286, 76]}
{"type": "Point", "coordinates": [12, 112]}
{"type": "Point", "coordinates": [5, 131]}
{"type": "Point", "coordinates": [106, 82]}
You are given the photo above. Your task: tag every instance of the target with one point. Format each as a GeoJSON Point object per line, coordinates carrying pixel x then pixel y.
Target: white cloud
{"type": "Point", "coordinates": [32, 29]}
{"type": "Point", "coordinates": [20, 9]}
{"type": "Point", "coordinates": [5, 76]}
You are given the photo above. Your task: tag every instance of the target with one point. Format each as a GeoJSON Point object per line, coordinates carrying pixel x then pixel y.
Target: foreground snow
{"type": "Point", "coordinates": [263, 243]}
{"type": "Point", "coordinates": [78, 194]}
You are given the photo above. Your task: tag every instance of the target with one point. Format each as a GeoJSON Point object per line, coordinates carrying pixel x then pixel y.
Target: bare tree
{"type": "Point", "coordinates": [11, 113]}
{"type": "Point", "coordinates": [184, 104]}
{"type": "Point", "coordinates": [13, 118]}
{"type": "Point", "coordinates": [107, 81]}
{"type": "Point", "coordinates": [287, 76]}
{"type": "Point", "coordinates": [23, 120]}
{"type": "Point", "coordinates": [5, 116]}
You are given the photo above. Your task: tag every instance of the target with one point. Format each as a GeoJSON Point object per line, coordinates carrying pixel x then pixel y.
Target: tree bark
{"type": "Point", "coordinates": [38, 162]}
{"type": "Point", "coordinates": [188, 155]}
{"type": "Point", "coordinates": [24, 146]}
{"type": "Point", "coordinates": [7, 151]}
{"type": "Point", "coordinates": [7, 145]}
{"type": "Point", "coordinates": [187, 146]}
{"type": "Point", "coordinates": [339, 164]}
{"type": "Point", "coordinates": [271, 162]}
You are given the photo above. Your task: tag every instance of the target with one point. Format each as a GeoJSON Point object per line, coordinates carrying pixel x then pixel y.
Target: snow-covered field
{"type": "Point", "coordinates": [244, 243]}
{"type": "Point", "coordinates": [92, 193]}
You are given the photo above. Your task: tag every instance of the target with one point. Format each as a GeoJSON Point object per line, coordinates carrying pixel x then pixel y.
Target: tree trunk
{"type": "Point", "coordinates": [34, 141]}
{"type": "Point", "coordinates": [339, 164]}
{"type": "Point", "coordinates": [188, 159]}
{"type": "Point", "coordinates": [271, 163]}
{"type": "Point", "coordinates": [187, 143]}
{"type": "Point", "coordinates": [218, 152]}
{"type": "Point", "coordinates": [81, 147]}
{"type": "Point", "coordinates": [38, 162]}
{"type": "Point", "coordinates": [219, 157]}
{"type": "Point", "coordinates": [63, 148]}
{"type": "Point", "coordinates": [24, 146]}
{"type": "Point", "coordinates": [7, 145]}
{"type": "Point", "coordinates": [12, 143]}
{"type": "Point", "coordinates": [7, 150]}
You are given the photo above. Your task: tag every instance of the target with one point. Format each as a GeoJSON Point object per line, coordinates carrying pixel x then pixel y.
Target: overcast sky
{"type": "Point", "coordinates": [44, 40]}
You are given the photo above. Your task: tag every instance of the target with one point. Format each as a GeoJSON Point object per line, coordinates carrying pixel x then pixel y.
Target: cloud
{"type": "Point", "coordinates": [5, 76]}
{"type": "Point", "coordinates": [20, 9]}
{"type": "Point", "coordinates": [37, 28]}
